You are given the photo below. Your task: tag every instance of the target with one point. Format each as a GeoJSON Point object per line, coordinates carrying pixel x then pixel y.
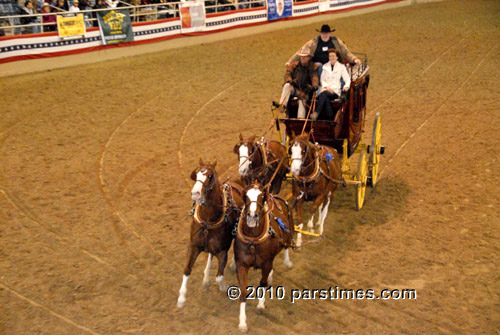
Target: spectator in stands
{"type": "Point", "coordinates": [74, 7]}
{"type": "Point", "coordinates": [112, 3]}
{"type": "Point", "coordinates": [62, 5]}
{"type": "Point", "coordinates": [301, 80]}
{"type": "Point", "coordinates": [331, 85]}
{"type": "Point", "coordinates": [228, 3]}
{"type": "Point", "coordinates": [99, 4]}
{"type": "Point", "coordinates": [319, 46]}
{"type": "Point", "coordinates": [243, 4]}
{"type": "Point", "coordinates": [49, 21]}
{"type": "Point", "coordinates": [28, 17]}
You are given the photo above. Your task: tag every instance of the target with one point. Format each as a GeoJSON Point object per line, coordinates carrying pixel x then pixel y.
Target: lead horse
{"type": "Point", "coordinates": [264, 229]}
{"type": "Point", "coordinates": [260, 159]}
{"type": "Point", "coordinates": [215, 214]}
{"type": "Point", "coordinates": [316, 171]}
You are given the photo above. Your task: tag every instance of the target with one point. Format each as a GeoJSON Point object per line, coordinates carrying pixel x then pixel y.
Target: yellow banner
{"type": "Point", "coordinates": [70, 26]}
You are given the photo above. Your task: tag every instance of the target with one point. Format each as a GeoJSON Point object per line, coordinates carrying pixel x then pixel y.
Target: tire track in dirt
{"type": "Point", "coordinates": [445, 101]}
{"type": "Point", "coordinates": [113, 203]}
{"type": "Point", "coordinates": [184, 131]}
{"type": "Point", "coordinates": [47, 309]}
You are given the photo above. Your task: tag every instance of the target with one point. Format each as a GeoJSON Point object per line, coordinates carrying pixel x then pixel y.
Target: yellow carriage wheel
{"type": "Point", "coordinates": [375, 150]}
{"type": "Point", "coordinates": [361, 177]}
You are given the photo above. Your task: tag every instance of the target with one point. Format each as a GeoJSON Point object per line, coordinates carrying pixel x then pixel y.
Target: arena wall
{"type": "Point", "coordinates": [34, 46]}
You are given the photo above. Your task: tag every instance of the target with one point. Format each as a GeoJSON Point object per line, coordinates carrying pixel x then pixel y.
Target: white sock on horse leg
{"type": "Point", "coordinates": [299, 236]}
{"type": "Point", "coordinates": [262, 302]}
{"type": "Point", "coordinates": [323, 216]}
{"type": "Point", "coordinates": [243, 317]}
{"type": "Point", "coordinates": [288, 263]}
{"type": "Point", "coordinates": [310, 224]}
{"type": "Point", "coordinates": [206, 273]}
{"type": "Point", "coordinates": [222, 285]}
{"type": "Point", "coordinates": [182, 292]}
{"type": "Point", "coordinates": [270, 278]}
{"type": "Point", "coordinates": [320, 214]}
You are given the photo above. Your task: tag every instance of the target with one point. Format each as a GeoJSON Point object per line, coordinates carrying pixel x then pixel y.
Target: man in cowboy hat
{"type": "Point", "coordinates": [319, 46]}
{"type": "Point", "coordinates": [301, 80]}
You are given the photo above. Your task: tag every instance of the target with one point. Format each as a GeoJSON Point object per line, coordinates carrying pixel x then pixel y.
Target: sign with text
{"type": "Point", "coordinates": [69, 26]}
{"type": "Point", "coordinates": [277, 9]}
{"type": "Point", "coordinates": [192, 15]}
{"type": "Point", "coordinates": [323, 5]}
{"type": "Point", "coordinates": [115, 26]}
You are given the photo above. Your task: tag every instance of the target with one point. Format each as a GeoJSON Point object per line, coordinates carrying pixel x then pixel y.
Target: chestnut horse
{"type": "Point", "coordinates": [215, 215]}
{"type": "Point", "coordinates": [259, 161]}
{"type": "Point", "coordinates": [264, 229]}
{"type": "Point", "coordinates": [316, 171]}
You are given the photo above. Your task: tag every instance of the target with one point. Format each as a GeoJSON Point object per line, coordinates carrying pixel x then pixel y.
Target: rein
{"type": "Point", "coordinates": [318, 171]}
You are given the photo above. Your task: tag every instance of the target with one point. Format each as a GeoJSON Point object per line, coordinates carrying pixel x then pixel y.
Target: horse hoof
{"type": "Point", "coordinates": [223, 287]}
{"type": "Point", "coordinates": [243, 328]}
{"type": "Point", "coordinates": [181, 303]}
{"type": "Point", "coordinates": [206, 284]}
{"type": "Point", "coordinates": [289, 265]}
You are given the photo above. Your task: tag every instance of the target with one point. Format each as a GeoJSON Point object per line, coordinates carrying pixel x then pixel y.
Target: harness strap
{"type": "Point", "coordinates": [249, 239]}
{"type": "Point", "coordinates": [211, 225]}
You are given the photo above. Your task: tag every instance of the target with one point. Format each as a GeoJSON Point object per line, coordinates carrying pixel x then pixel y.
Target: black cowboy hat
{"type": "Point", "coordinates": [325, 29]}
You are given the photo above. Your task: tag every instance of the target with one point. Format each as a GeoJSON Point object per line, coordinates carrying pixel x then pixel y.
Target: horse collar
{"type": "Point", "coordinates": [254, 240]}
{"type": "Point", "coordinates": [211, 225]}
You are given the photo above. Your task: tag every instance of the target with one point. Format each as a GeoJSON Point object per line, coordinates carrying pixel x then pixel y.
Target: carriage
{"type": "Point", "coordinates": [343, 133]}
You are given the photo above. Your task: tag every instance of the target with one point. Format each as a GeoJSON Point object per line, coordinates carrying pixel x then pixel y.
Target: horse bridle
{"type": "Point", "coordinates": [306, 151]}
{"type": "Point", "coordinates": [209, 187]}
{"type": "Point", "coordinates": [250, 155]}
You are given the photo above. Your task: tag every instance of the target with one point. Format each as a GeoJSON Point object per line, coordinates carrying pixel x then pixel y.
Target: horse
{"type": "Point", "coordinates": [215, 215]}
{"type": "Point", "coordinates": [316, 172]}
{"type": "Point", "coordinates": [259, 160]}
{"type": "Point", "coordinates": [265, 228]}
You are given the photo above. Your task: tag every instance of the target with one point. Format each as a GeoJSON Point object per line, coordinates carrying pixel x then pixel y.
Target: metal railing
{"type": "Point", "coordinates": [11, 25]}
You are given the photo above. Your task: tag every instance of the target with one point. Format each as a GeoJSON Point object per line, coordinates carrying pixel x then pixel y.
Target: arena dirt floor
{"type": "Point", "coordinates": [95, 195]}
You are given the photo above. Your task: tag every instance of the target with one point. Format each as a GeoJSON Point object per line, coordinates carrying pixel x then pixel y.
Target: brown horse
{"type": "Point", "coordinates": [264, 229]}
{"type": "Point", "coordinates": [216, 212]}
{"type": "Point", "coordinates": [259, 161]}
{"type": "Point", "coordinates": [316, 171]}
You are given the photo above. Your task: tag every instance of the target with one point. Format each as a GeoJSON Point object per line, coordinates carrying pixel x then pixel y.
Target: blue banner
{"type": "Point", "coordinates": [276, 9]}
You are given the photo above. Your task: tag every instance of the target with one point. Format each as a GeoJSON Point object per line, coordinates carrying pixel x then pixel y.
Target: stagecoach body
{"type": "Point", "coordinates": [343, 133]}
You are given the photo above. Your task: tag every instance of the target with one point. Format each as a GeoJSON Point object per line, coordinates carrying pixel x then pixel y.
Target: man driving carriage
{"type": "Point", "coordinates": [318, 49]}
{"type": "Point", "coordinates": [301, 80]}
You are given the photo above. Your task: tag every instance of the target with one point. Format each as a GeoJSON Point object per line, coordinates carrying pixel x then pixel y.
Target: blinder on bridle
{"type": "Point", "coordinates": [211, 177]}
{"type": "Point", "coordinates": [304, 147]}
{"type": "Point", "coordinates": [251, 152]}
{"type": "Point", "coordinates": [248, 202]}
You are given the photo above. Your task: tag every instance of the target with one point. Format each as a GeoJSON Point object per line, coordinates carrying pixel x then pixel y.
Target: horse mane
{"type": "Point", "coordinates": [303, 137]}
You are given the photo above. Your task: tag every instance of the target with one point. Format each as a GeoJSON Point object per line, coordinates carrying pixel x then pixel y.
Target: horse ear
{"type": "Point", "coordinates": [201, 162]}
{"type": "Point", "coordinates": [293, 135]}
{"type": "Point", "coordinates": [241, 138]}
{"type": "Point", "coordinates": [215, 163]}
{"type": "Point", "coordinates": [193, 174]}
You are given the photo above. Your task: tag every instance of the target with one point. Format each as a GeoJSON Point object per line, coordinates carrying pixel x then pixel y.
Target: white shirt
{"type": "Point", "coordinates": [73, 8]}
{"type": "Point", "coordinates": [331, 78]}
